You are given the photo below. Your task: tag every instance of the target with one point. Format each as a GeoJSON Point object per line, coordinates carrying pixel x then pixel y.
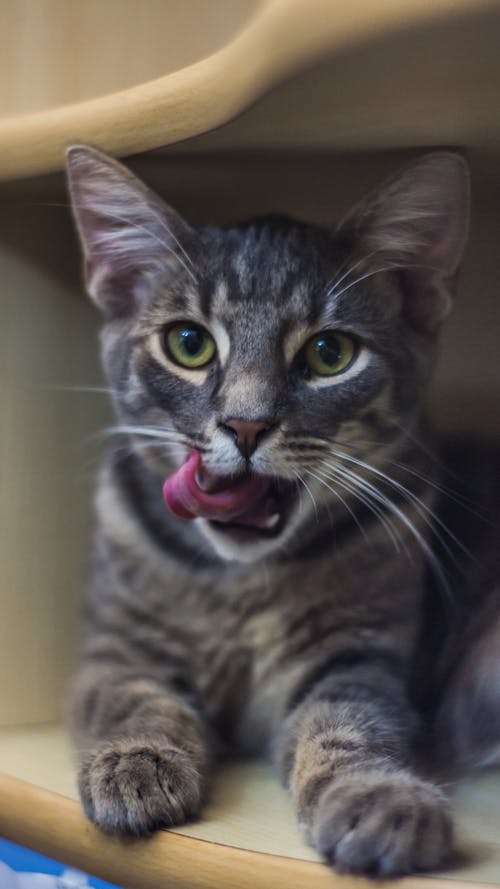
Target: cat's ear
{"type": "Point", "coordinates": [126, 231]}
{"type": "Point", "coordinates": [417, 222]}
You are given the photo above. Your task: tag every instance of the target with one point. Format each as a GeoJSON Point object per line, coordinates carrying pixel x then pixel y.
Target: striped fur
{"type": "Point", "coordinates": [303, 644]}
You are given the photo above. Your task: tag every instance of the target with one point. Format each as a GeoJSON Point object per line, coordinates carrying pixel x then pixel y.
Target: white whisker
{"type": "Point", "coordinates": [335, 282]}
{"type": "Point", "coordinates": [92, 389]}
{"type": "Point", "coordinates": [342, 500]}
{"type": "Point", "coordinates": [306, 486]}
{"type": "Point", "coordinates": [386, 501]}
{"type": "Point", "coordinates": [337, 293]}
{"type": "Point", "coordinates": [424, 511]}
{"type": "Point", "coordinates": [177, 242]}
{"type": "Point", "coordinates": [146, 431]}
{"type": "Point", "coordinates": [114, 238]}
{"type": "Point", "coordinates": [455, 496]}
{"type": "Point", "coordinates": [111, 213]}
{"type": "Point", "coordinates": [387, 268]}
{"type": "Point", "coordinates": [366, 499]}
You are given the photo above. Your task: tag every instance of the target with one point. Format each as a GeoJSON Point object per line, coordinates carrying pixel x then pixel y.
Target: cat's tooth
{"type": "Point", "coordinates": [273, 520]}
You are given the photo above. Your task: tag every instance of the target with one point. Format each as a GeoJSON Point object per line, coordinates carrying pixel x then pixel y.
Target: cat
{"type": "Point", "coordinates": [268, 565]}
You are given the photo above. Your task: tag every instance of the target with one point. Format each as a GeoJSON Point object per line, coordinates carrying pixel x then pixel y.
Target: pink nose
{"type": "Point", "coordinates": [247, 433]}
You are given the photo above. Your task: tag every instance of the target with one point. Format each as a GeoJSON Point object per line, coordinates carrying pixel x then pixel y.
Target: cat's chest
{"type": "Point", "coordinates": [237, 648]}
{"type": "Point", "coordinates": [255, 636]}
{"type": "Point", "coordinates": [261, 634]}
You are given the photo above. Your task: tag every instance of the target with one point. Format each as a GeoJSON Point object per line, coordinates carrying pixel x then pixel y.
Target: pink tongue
{"type": "Point", "coordinates": [244, 500]}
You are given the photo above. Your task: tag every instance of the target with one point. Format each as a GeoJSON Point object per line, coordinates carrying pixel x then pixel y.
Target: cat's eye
{"type": "Point", "coordinates": [329, 353]}
{"type": "Point", "coordinates": [189, 345]}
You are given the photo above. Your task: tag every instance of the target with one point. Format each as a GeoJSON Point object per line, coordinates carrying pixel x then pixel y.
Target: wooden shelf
{"type": "Point", "coordinates": [372, 74]}
{"type": "Point", "coordinates": [246, 838]}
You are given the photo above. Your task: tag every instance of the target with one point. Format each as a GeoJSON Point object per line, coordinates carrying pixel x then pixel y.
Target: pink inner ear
{"type": "Point", "coordinates": [420, 225]}
{"type": "Point", "coordinates": [117, 292]}
{"type": "Point", "coordinates": [126, 231]}
{"type": "Point", "coordinates": [427, 298]}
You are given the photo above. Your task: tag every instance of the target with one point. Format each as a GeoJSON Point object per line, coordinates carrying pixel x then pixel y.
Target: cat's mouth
{"type": "Point", "coordinates": [245, 507]}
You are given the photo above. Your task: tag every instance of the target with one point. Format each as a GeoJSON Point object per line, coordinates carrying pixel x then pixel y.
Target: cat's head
{"type": "Point", "coordinates": [275, 349]}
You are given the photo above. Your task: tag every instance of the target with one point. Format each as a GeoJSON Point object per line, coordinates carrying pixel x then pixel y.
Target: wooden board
{"type": "Point", "coordinates": [248, 811]}
{"type": "Point", "coordinates": [404, 72]}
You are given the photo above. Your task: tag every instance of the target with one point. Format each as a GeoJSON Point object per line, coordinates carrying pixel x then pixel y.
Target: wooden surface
{"type": "Point", "coordinates": [247, 835]}
{"type": "Point", "coordinates": [55, 826]}
{"type": "Point", "coordinates": [57, 53]}
{"type": "Point", "coordinates": [414, 89]}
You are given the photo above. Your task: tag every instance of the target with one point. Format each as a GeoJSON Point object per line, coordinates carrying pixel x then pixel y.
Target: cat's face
{"type": "Point", "coordinates": [275, 349]}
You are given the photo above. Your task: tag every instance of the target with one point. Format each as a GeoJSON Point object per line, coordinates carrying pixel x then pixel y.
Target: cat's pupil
{"type": "Point", "coordinates": [329, 350]}
{"type": "Point", "coordinates": [191, 341]}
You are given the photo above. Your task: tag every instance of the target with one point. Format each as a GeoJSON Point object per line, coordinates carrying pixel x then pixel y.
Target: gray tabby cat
{"type": "Point", "coordinates": [272, 598]}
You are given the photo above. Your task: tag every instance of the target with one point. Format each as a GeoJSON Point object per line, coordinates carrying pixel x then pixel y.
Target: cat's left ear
{"type": "Point", "coordinates": [126, 231]}
{"type": "Point", "coordinates": [417, 223]}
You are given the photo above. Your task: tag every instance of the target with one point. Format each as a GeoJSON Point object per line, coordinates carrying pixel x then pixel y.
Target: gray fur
{"type": "Point", "coordinates": [301, 644]}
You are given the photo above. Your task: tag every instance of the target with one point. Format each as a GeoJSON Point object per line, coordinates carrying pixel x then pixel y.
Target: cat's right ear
{"type": "Point", "coordinates": [416, 222]}
{"type": "Point", "coordinates": [126, 231]}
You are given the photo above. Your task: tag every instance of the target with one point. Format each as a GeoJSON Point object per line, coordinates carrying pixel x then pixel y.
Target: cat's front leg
{"type": "Point", "coordinates": [144, 750]}
{"type": "Point", "coordinates": [343, 751]}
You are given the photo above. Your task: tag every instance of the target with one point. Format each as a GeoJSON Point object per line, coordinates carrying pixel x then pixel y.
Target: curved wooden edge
{"type": "Point", "coordinates": [55, 826]}
{"type": "Point", "coordinates": [281, 37]}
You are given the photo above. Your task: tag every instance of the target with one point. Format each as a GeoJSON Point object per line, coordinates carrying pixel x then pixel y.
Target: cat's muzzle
{"type": "Point", "coordinates": [245, 507]}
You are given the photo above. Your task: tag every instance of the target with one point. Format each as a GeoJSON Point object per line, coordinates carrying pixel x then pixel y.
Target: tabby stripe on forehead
{"type": "Point", "coordinates": [206, 290]}
{"type": "Point", "coordinates": [232, 281]}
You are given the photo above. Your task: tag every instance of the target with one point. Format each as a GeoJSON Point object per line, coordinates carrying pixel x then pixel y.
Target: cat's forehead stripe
{"type": "Point", "coordinates": [294, 340]}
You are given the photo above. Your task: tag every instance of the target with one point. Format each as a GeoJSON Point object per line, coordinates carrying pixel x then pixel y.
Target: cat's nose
{"type": "Point", "coordinates": [247, 433]}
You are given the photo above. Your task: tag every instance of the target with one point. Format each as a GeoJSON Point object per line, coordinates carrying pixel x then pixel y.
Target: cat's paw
{"type": "Point", "coordinates": [382, 825]}
{"type": "Point", "coordinates": [133, 787]}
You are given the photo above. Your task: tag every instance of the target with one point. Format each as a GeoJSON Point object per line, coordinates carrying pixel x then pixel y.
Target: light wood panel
{"type": "Point", "coordinates": [274, 40]}
{"type": "Point", "coordinates": [47, 346]}
{"type": "Point", "coordinates": [247, 835]}
{"type": "Point", "coordinates": [56, 52]}
{"type": "Point", "coordinates": [431, 83]}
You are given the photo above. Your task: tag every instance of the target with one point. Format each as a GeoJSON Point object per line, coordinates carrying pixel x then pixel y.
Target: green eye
{"type": "Point", "coordinates": [189, 345]}
{"type": "Point", "coordinates": [329, 353]}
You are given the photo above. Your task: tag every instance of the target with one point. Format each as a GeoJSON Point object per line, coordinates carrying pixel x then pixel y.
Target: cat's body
{"type": "Point", "coordinates": [292, 629]}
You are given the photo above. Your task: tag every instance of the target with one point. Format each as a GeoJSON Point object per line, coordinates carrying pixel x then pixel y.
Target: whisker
{"type": "Point", "coordinates": [426, 450]}
{"type": "Point", "coordinates": [306, 486]}
{"type": "Point", "coordinates": [145, 431]}
{"type": "Point", "coordinates": [177, 242]}
{"type": "Point", "coordinates": [385, 268]}
{"type": "Point", "coordinates": [318, 445]}
{"type": "Point", "coordinates": [342, 500]}
{"type": "Point", "coordinates": [127, 220]}
{"type": "Point", "coordinates": [453, 495]}
{"type": "Point", "coordinates": [174, 447]}
{"type": "Point", "coordinates": [92, 389]}
{"type": "Point", "coordinates": [365, 498]}
{"type": "Point", "coordinates": [335, 282]}
{"type": "Point", "coordinates": [425, 511]}
{"type": "Point", "coordinates": [386, 501]}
